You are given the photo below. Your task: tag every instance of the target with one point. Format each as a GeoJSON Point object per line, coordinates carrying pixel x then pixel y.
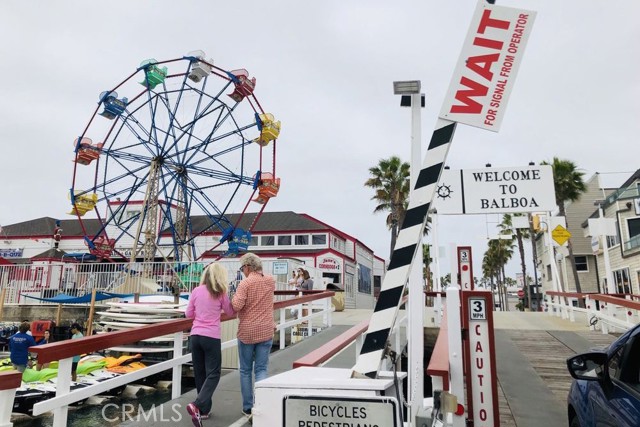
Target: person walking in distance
{"type": "Point", "coordinates": [253, 302]}
{"type": "Point", "coordinates": [206, 304]}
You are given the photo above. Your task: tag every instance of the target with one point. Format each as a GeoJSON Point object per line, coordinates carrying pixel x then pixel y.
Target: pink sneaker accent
{"type": "Point", "coordinates": [193, 410]}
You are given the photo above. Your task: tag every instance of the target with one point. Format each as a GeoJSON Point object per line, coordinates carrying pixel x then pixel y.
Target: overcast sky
{"type": "Point", "coordinates": [325, 69]}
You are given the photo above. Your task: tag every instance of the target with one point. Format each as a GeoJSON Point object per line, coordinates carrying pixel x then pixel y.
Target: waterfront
{"type": "Point", "coordinates": [115, 411]}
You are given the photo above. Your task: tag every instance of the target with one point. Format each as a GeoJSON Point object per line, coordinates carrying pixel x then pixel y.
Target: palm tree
{"type": "Point", "coordinates": [520, 235]}
{"type": "Point", "coordinates": [569, 186]}
{"type": "Point", "coordinates": [426, 262]}
{"type": "Point", "coordinates": [390, 180]}
{"type": "Point", "coordinates": [490, 270]}
{"type": "Point", "coordinates": [499, 252]}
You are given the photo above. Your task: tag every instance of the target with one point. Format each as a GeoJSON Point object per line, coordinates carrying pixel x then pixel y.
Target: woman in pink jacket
{"type": "Point", "coordinates": [206, 304]}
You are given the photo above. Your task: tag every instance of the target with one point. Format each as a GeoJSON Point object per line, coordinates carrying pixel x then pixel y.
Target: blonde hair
{"type": "Point", "coordinates": [215, 277]}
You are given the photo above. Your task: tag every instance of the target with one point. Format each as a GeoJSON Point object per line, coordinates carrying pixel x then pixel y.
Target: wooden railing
{"type": "Point", "coordinates": [322, 354]}
{"type": "Point", "coordinates": [9, 382]}
{"type": "Point", "coordinates": [69, 348]}
{"type": "Point", "coordinates": [438, 366]}
{"type": "Point", "coordinates": [65, 350]}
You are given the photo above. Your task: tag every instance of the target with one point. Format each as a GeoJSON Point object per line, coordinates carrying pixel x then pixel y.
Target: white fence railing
{"type": "Point", "coordinates": [601, 311]}
{"type": "Point", "coordinates": [65, 397]}
{"type": "Point", "coordinates": [45, 280]}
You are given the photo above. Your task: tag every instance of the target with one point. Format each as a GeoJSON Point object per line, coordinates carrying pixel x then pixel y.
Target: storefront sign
{"type": "Point", "coordinates": [280, 267]}
{"type": "Point", "coordinates": [11, 253]}
{"type": "Point", "coordinates": [327, 263]}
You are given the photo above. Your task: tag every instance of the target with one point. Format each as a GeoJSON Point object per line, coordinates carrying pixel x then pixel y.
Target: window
{"type": "Point", "coordinates": [319, 239]}
{"type": "Point", "coordinates": [614, 363]}
{"type": "Point", "coordinates": [302, 239]}
{"type": "Point", "coordinates": [614, 240]}
{"type": "Point", "coordinates": [284, 240]}
{"type": "Point", "coordinates": [634, 227]}
{"type": "Point", "coordinates": [549, 272]}
{"type": "Point", "coordinates": [621, 281]}
{"type": "Point", "coordinates": [268, 241]}
{"type": "Point", "coordinates": [364, 279]}
{"type": "Point", "coordinates": [581, 263]}
{"type": "Point", "coordinates": [254, 241]}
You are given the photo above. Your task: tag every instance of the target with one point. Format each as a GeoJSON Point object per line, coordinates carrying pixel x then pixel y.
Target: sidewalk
{"type": "Point", "coordinates": [227, 406]}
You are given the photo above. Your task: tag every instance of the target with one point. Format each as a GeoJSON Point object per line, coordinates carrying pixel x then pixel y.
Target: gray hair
{"type": "Point", "coordinates": [252, 261]}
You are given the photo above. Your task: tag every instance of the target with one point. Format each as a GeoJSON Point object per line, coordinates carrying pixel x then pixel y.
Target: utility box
{"type": "Point", "coordinates": [313, 397]}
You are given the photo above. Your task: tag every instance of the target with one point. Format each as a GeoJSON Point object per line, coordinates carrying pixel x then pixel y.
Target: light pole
{"type": "Point", "coordinates": [411, 97]}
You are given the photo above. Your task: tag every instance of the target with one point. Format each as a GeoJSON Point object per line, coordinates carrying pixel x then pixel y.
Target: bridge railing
{"type": "Point", "coordinates": [64, 351]}
{"type": "Point", "coordinates": [605, 311]}
{"type": "Point", "coordinates": [9, 382]}
{"type": "Point", "coordinates": [438, 367]}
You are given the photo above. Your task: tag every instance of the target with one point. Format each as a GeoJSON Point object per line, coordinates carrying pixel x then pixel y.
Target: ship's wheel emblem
{"type": "Point", "coordinates": [444, 191]}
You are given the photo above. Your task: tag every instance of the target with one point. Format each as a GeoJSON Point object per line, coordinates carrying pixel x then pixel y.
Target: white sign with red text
{"type": "Point", "coordinates": [465, 272]}
{"type": "Point", "coordinates": [487, 67]}
{"type": "Point", "coordinates": [330, 264]}
{"type": "Point", "coordinates": [481, 369]}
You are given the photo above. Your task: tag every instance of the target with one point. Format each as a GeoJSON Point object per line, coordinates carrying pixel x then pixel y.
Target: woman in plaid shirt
{"type": "Point", "coordinates": [253, 301]}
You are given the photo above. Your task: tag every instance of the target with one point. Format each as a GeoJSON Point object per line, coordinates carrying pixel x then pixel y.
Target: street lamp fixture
{"type": "Point", "coordinates": [406, 87]}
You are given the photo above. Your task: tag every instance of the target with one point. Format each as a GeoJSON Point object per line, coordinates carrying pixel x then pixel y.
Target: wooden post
{"type": "Point", "coordinates": [2, 295]}
{"type": "Point", "coordinates": [59, 315]}
{"type": "Point", "coordinates": [92, 310]}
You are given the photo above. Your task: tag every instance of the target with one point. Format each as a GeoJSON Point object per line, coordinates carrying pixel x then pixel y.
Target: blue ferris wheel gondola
{"type": "Point", "coordinates": [174, 160]}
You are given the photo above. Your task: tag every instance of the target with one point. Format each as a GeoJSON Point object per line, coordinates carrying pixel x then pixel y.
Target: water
{"type": "Point", "coordinates": [110, 414]}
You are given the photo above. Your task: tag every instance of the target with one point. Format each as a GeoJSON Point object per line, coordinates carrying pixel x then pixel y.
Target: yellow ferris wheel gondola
{"type": "Point", "coordinates": [269, 129]}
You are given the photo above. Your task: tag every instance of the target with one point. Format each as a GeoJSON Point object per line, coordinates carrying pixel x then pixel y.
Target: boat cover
{"type": "Point", "coordinates": [68, 299]}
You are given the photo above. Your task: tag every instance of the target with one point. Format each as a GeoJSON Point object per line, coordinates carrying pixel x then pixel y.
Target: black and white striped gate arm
{"type": "Point", "coordinates": [406, 248]}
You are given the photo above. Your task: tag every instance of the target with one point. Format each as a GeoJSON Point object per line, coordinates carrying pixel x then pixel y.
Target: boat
{"type": "Point", "coordinates": [97, 368]}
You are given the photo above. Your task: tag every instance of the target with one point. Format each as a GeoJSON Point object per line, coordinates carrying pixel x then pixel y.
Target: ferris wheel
{"type": "Point", "coordinates": [168, 154]}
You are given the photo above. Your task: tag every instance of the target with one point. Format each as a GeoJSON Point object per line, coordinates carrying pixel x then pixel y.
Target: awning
{"type": "Point", "coordinates": [68, 299]}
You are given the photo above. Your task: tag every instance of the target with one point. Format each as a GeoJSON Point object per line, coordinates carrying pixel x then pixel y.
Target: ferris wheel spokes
{"type": "Point", "coordinates": [177, 148]}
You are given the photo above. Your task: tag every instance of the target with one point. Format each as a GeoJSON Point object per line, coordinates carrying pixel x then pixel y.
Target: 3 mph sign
{"type": "Point", "coordinates": [487, 68]}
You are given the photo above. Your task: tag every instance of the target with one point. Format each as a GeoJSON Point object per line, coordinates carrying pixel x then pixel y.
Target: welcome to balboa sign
{"type": "Point", "coordinates": [495, 190]}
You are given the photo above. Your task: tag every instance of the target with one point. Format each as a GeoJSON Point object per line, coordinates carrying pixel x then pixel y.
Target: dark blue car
{"type": "Point", "coordinates": [606, 389]}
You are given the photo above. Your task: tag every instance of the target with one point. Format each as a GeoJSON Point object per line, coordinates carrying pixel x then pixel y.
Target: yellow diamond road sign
{"type": "Point", "coordinates": [560, 235]}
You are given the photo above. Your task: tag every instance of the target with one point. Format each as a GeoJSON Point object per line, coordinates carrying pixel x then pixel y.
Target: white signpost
{"type": "Point", "coordinates": [487, 68]}
{"type": "Point", "coordinates": [495, 190]}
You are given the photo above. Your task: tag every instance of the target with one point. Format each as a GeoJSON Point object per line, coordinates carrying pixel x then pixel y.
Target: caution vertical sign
{"type": "Point", "coordinates": [480, 359]}
{"type": "Point", "coordinates": [487, 68]}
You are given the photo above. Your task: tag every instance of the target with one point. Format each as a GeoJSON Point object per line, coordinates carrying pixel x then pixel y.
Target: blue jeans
{"type": "Point", "coordinates": [253, 357]}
